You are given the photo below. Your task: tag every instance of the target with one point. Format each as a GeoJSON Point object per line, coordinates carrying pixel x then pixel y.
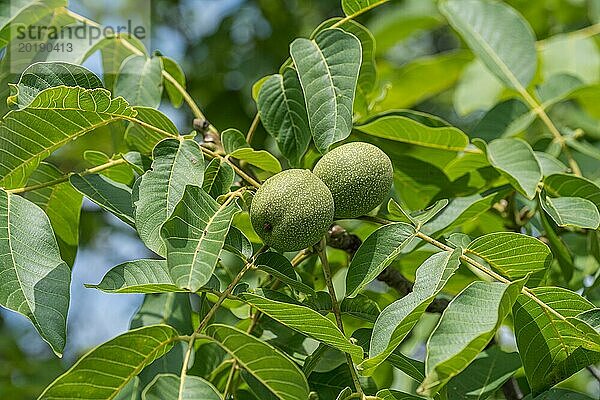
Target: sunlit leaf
{"type": "Point", "coordinates": [403, 129]}
{"type": "Point", "coordinates": [104, 370]}
{"type": "Point", "coordinates": [564, 185]}
{"type": "Point", "coordinates": [139, 276]}
{"type": "Point", "coordinates": [367, 75]}
{"type": "Point", "coordinates": [171, 67]}
{"type": "Point", "coordinates": [259, 158]}
{"type": "Point", "coordinates": [498, 35]}
{"type": "Point", "coordinates": [43, 75]}
{"type": "Point", "coordinates": [513, 255]}
{"type": "Point", "coordinates": [353, 7]}
{"type": "Point", "coordinates": [574, 212]}
{"type": "Point", "coordinates": [55, 117]}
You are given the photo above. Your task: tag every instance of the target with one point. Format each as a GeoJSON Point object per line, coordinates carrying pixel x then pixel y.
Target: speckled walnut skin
{"type": "Point", "coordinates": [292, 210]}
{"type": "Point", "coordinates": [359, 176]}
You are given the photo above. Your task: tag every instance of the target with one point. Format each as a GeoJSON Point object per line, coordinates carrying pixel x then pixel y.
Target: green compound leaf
{"type": "Point", "coordinates": [466, 327]}
{"type": "Point", "coordinates": [397, 319]}
{"type": "Point", "coordinates": [375, 253]}
{"type": "Point", "coordinates": [498, 35]}
{"type": "Point", "coordinates": [176, 164]}
{"type": "Point", "coordinates": [403, 129]}
{"type": "Point", "coordinates": [166, 387]}
{"type": "Point", "coordinates": [267, 364]}
{"type": "Point", "coordinates": [283, 114]}
{"type": "Point", "coordinates": [515, 159]}
{"type": "Point", "coordinates": [513, 255]}
{"type": "Point", "coordinates": [105, 370]}
{"type": "Point", "coordinates": [112, 196]}
{"type": "Point", "coordinates": [55, 117]}
{"type": "Point", "coordinates": [195, 235]}
{"type": "Point", "coordinates": [307, 321]}
{"type": "Point", "coordinates": [553, 346]}
{"type": "Point", "coordinates": [139, 276]}
{"type": "Point", "coordinates": [35, 281]}
{"type": "Point", "coordinates": [328, 69]}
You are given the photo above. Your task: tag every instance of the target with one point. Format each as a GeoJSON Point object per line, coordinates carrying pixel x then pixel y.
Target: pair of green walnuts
{"type": "Point", "coordinates": [294, 209]}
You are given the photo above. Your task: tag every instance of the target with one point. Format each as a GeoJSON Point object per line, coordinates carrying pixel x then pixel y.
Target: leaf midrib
{"type": "Point", "coordinates": [489, 51]}
{"type": "Point", "coordinates": [201, 239]}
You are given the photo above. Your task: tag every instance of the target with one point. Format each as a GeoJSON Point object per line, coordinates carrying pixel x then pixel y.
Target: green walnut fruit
{"type": "Point", "coordinates": [359, 176]}
{"type": "Point", "coordinates": [292, 210]}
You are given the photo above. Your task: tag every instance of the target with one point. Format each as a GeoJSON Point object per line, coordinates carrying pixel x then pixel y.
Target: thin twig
{"type": "Point", "coordinates": [66, 177]}
{"type": "Point", "coordinates": [336, 308]}
{"type": "Point", "coordinates": [253, 127]}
